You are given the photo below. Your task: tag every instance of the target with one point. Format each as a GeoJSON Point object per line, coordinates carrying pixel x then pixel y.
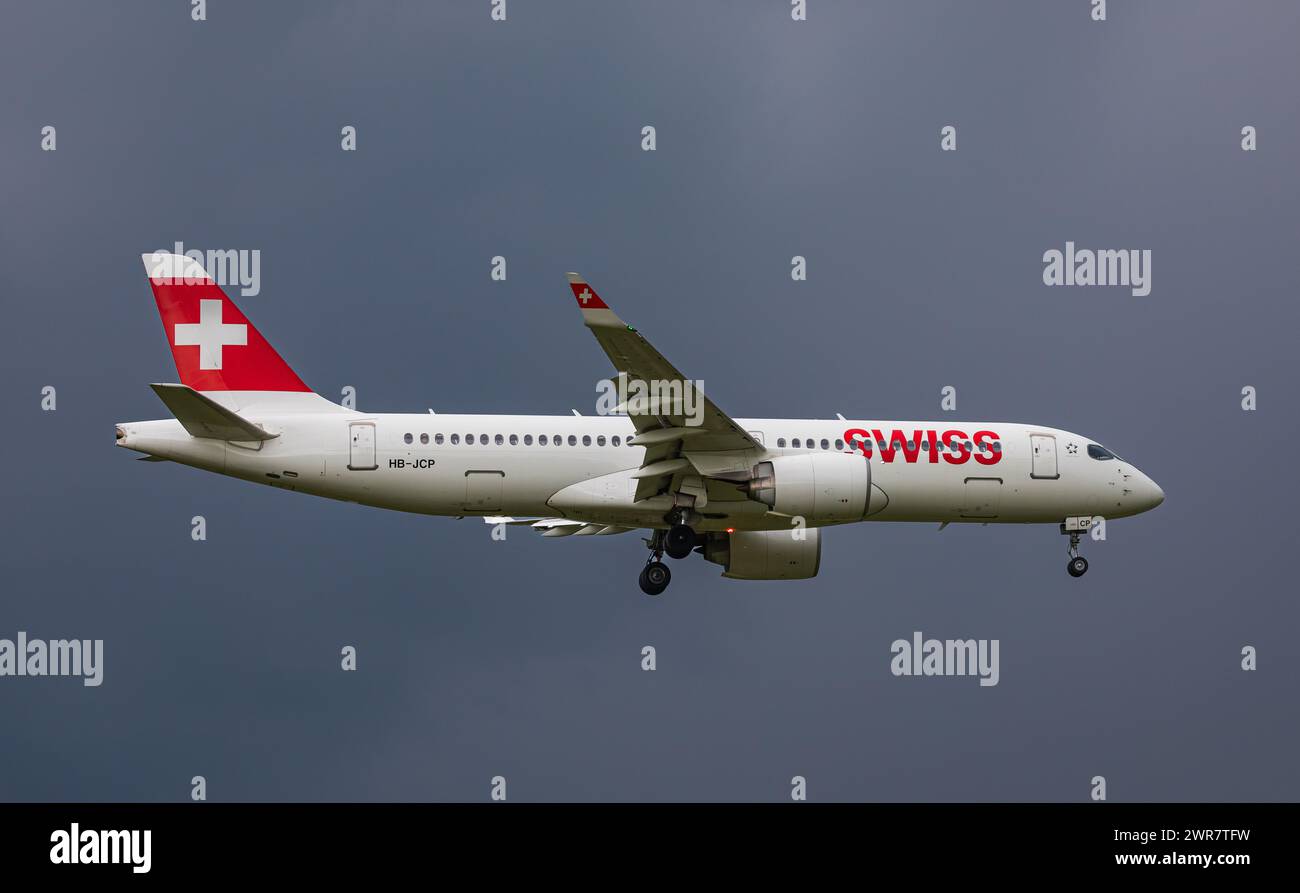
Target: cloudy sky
{"type": "Point", "coordinates": [775, 138]}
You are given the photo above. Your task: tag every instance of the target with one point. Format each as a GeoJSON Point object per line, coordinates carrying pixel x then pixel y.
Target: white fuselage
{"type": "Point", "coordinates": [427, 464]}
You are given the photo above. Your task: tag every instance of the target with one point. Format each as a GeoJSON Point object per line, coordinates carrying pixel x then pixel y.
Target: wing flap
{"type": "Point", "coordinates": [559, 527]}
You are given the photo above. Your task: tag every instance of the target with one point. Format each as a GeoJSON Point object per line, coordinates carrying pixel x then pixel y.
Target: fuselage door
{"type": "Point", "coordinates": [1043, 449]}
{"type": "Point", "coordinates": [982, 497]}
{"type": "Point", "coordinates": [361, 452]}
{"type": "Point", "coordinates": [483, 490]}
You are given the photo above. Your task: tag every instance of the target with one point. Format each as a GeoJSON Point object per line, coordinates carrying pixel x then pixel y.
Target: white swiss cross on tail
{"type": "Point", "coordinates": [195, 312]}
{"type": "Point", "coordinates": [210, 334]}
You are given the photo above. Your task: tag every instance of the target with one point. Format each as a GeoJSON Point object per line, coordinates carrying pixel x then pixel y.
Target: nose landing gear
{"type": "Point", "coordinates": [1077, 565]}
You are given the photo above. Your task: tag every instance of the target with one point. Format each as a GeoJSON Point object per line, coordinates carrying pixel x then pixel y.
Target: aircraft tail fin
{"type": "Point", "coordinates": [214, 345]}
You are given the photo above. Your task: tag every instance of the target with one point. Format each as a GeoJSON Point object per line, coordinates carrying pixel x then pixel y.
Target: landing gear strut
{"type": "Point", "coordinates": [655, 576]}
{"type": "Point", "coordinates": [678, 541]}
{"type": "Point", "coordinates": [1078, 565]}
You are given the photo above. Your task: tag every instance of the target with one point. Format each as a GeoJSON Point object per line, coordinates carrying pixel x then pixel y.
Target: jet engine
{"type": "Point", "coordinates": [766, 554]}
{"type": "Point", "coordinates": [819, 487]}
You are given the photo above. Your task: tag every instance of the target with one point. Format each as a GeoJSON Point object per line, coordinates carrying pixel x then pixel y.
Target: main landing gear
{"type": "Point", "coordinates": [655, 577]}
{"type": "Point", "coordinates": [677, 541]}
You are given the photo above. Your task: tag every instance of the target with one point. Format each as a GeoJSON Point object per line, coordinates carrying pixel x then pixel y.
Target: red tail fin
{"type": "Point", "coordinates": [215, 347]}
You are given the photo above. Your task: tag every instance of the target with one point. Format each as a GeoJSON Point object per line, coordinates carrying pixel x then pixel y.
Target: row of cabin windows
{"type": "Point", "coordinates": [811, 444]}
{"type": "Point", "coordinates": [600, 440]}
{"type": "Point", "coordinates": [514, 439]}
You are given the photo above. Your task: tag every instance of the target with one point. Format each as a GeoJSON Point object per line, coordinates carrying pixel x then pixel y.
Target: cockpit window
{"type": "Point", "coordinates": [1100, 452]}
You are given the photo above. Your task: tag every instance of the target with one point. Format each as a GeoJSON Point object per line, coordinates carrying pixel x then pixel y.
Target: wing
{"type": "Point", "coordinates": [670, 412]}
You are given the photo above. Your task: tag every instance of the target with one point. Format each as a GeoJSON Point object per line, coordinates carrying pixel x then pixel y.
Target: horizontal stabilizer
{"type": "Point", "coordinates": [204, 417]}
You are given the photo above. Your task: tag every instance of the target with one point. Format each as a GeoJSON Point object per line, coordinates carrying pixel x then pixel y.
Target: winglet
{"type": "Point", "coordinates": [595, 312]}
{"type": "Point", "coordinates": [587, 299]}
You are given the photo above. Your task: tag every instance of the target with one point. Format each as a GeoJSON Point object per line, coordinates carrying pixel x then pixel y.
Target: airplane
{"type": "Point", "coordinates": [750, 495]}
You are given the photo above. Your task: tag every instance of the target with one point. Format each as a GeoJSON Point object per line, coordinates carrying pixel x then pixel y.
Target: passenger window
{"type": "Point", "coordinates": [614, 440]}
{"type": "Point", "coordinates": [528, 440]}
{"type": "Point", "coordinates": [997, 446]}
{"type": "Point", "coordinates": [795, 443]}
{"type": "Point", "coordinates": [469, 440]}
{"type": "Point", "coordinates": [780, 442]}
{"type": "Point", "coordinates": [910, 446]}
{"type": "Point", "coordinates": [557, 440]}
{"type": "Point", "coordinates": [600, 441]}
{"type": "Point", "coordinates": [455, 439]}
{"type": "Point", "coordinates": [500, 440]}
{"type": "Point", "coordinates": [586, 440]}
{"type": "Point", "coordinates": [514, 440]}
{"type": "Point", "coordinates": [407, 438]}
{"type": "Point", "coordinates": [826, 444]}
{"type": "Point", "coordinates": [424, 439]}
{"type": "Point", "coordinates": [483, 439]}
{"type": "Point", "coordinates": [541, 440]}
{"type": "Point", "coordinates": [437, 438]}
{"type": "Point", "coordinates": [839, 444]}
{"type": "Point", "coordinates": [573, 440]}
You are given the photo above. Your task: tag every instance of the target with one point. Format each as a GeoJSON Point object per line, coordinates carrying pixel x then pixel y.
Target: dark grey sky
{"type": "Point", "coordinates": [522, 659]}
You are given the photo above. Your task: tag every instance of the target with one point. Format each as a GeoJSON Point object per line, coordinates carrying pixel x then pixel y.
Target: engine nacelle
{"type": "Point", "coordinates": [819, 487]}
{"type": "Point", "coordinates": [766, 554]}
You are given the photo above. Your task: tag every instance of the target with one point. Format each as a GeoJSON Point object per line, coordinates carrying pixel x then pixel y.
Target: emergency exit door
{"type": "Point", "coordinates": [361, 453]}
{"type": "Point", "coordinates": [1044, 456]}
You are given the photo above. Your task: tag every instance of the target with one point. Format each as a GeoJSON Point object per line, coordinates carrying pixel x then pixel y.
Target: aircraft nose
{"type": "Point", "coordinates": [1152, 495]}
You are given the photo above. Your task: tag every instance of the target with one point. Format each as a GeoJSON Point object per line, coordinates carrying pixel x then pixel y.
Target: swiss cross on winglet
{"type": "Point", "coordinates": [587, 299]}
